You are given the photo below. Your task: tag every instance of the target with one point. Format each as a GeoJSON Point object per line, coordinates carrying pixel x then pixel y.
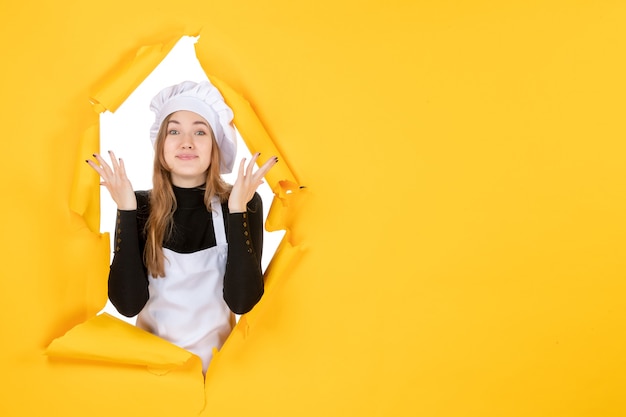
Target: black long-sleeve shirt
{"type": "Point", "coordinates": [193, 231]}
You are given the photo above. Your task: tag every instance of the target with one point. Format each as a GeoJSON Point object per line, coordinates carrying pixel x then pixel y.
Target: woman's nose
{"type": "Point", "coordinates": [187, 142]}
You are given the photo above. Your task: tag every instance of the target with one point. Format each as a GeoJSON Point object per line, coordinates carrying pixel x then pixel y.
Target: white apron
{"type": "Point", "coordinates": [187, 306]}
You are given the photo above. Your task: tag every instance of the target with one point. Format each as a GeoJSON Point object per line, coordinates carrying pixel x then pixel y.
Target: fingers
{"type": "Point", "coordinates": [269, 164]}
{"type": "Point", "coordinates": [122, 168]}
{"type": "Point", "coordinates": [263, 169]}
{"type": "Point", "coordinates": [247, 182]}
{"type": "Point", "coordinates": [109, 173]}
{"type": "Point", "coordinates": [114, 163]}
{"type": "Point", "coordinates": [115, 181]}
{"type": "Point", "coordinates": [96, 166]}
{"type": "Point", "coordinates": [252, 162]}
{"type": "Point", "coordinates": [242, 166]}
{"type": "Point", "coordinates": [103, 164]}
{"type": "Point", "coordinates": [118, 166]}
{"type": "Point", "coordinates": [101, 167]}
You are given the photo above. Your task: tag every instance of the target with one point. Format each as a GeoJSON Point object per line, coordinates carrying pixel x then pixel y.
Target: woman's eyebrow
{"type": "Point", "coordinates": [197, 122]}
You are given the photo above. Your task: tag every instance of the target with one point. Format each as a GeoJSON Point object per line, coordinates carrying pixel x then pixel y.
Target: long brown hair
{"type": "Point", "coordinates": [163, 203]}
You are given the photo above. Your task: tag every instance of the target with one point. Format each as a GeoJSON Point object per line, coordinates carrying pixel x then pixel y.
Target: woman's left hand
{"type": "Point", "coordinates": [247, 182]}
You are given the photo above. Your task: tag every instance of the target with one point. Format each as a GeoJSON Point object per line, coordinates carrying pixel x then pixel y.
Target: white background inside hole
{"type": "Point", "coordinates": [127, 133]}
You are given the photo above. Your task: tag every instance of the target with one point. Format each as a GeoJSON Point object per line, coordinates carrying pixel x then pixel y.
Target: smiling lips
{"type": "Point", "coordinates": [186, 157]}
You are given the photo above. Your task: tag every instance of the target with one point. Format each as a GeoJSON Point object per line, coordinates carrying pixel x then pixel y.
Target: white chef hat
{"type": "Point", "coordinates": [204, 99]}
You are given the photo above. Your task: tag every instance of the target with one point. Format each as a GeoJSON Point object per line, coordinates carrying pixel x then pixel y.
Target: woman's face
{"type": "Point", "coordinates": [187, 148]}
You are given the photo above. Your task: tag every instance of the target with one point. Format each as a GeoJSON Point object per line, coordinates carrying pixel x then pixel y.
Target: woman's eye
{"type": "Point", "coordinates": [201, 133]}
{"type": "Point", "coordinates": [172, 132]}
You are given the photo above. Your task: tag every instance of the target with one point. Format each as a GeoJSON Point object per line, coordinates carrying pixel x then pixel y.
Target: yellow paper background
{"type": "Point", "coordinates": [458, 248]}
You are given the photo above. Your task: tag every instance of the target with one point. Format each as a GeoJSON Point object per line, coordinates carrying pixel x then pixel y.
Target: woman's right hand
{"type": "Point", "coordinates": [115, 180]}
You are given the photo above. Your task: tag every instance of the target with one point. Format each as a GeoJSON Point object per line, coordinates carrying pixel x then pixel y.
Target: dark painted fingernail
{"type": "Point", "coordinates": [87, 160]}
{"type": "Point", "coordinates": [94, 155]}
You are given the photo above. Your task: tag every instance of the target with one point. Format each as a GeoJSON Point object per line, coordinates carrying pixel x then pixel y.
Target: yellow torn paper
{"type": "Point", "coordinates": [107, 339]}
{"type": "Point", "coordinates": [458, 248]}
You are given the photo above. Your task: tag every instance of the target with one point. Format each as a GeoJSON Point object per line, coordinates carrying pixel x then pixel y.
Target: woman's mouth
{"type": "Point", "coordinates": [186, 157]}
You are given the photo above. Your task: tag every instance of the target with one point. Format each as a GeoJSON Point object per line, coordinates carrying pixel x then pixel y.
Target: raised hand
{"type": "Point", "coordinates": [247, 182]}
{"type": "Point", "coordinates": [115, 180]}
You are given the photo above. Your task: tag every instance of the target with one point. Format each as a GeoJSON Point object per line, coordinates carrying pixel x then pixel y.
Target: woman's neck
{"type": "Point", "coordinates": [189, 197]}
